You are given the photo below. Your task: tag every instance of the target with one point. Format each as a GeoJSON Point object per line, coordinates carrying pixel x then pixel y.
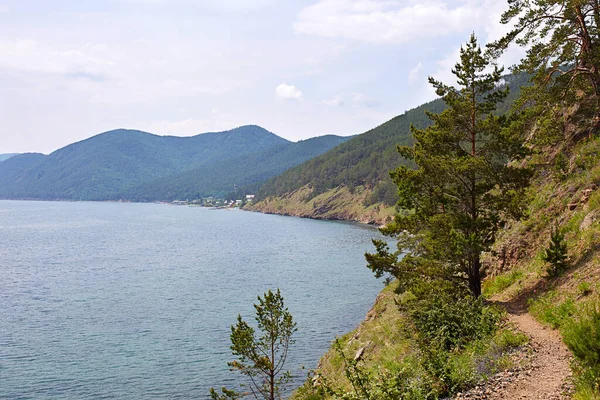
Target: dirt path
{"type": "Point", "coordinates": [548, 376]}
{"type": "Point", "coordinates": [543, 372]}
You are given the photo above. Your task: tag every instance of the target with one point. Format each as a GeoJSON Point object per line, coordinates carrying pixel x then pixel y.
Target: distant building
{"type": "Point", "coordinates": [249, 197]}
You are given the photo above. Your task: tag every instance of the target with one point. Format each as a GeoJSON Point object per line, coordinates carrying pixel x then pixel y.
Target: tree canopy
{"type": "Point", "coordinates": [465, 185]}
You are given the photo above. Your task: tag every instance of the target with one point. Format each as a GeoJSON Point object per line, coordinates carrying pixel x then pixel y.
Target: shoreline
{"type": "Point", "coordinates": [314, 218]}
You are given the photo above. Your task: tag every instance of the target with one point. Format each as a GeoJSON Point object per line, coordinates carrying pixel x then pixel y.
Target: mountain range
{"type": "Point", "coordinates": [324, 177]}
{"type": "Point", "coordinates": [6, 156]}
{"type": "Point", "coordinates": [135, 165]}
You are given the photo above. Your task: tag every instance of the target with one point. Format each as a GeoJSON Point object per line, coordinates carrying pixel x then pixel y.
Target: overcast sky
{"type": "Point", "coordinates": [299, 68]}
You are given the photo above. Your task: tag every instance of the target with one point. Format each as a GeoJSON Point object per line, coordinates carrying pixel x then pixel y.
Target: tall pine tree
{"type": "Point", "coordinates": [562, 38]}
{"type": "Point", "coordinates": [465, 185]}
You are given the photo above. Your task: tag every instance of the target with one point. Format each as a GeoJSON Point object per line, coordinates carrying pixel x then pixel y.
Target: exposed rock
{"type": "Point", "coordinates": [359, 354]}
{"type": "Point", "coordinates": [589, 220]}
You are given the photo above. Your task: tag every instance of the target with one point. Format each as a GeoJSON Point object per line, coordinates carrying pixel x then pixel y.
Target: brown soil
{"type": "Point", "coordinates": [545, 376]}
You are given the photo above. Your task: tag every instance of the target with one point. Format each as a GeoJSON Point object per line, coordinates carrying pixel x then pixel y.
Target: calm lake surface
{"type": "Point", "coordinates": [135, 301]}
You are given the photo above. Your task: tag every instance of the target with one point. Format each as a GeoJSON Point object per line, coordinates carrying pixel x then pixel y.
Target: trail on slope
{"type": "Point", "coordinates": [550, 373]}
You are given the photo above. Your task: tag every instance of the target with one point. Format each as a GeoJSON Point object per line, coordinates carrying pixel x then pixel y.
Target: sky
{"type": "Point", "coordinates": [299, 68]}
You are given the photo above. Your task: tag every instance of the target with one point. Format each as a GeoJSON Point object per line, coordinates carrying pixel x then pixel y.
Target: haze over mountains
{"type": "Point", "coordinates": [135, 165]}
{"type": "Point", "coordinates": [6, 156]}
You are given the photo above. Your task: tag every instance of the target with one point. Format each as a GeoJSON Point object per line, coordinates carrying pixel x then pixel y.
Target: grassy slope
{"type": "Point", "coordinates": [335, 204]}
{"type": "Point", "coordinates": [516, 271]}
{"type": "Point", "coordinates": [386, 342]}
{"type": "Point", "coordinates": [570, 202]}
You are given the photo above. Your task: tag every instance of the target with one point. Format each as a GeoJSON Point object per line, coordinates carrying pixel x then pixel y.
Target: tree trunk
{"type": "Point", "coordinates": [475, 277]}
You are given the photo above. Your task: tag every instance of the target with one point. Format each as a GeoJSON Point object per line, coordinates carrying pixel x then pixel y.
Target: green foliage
{"type": "Point", "coordinates": [584, 288]}
{"type": "Point", "coordinates": [134, 165]}
{"type": "Point", "coordinates": [262, 359]}
{"type": "Point", "coordinates": [561, 166]}
{"type": "Point", "coordinates": [466, 183]}
{"type": "Point", "coordinates": [582, 336]}
{"type": "Point", "coordinates": [449, 321]}
{"type": "Point", "coordinates": [556, 253]}
{"type": "Point", "coordinates": [363, 160]}
{"type": "Point", "coordinates": [401, 382]}
{"type": "Point", "coordinates": [563, 56]}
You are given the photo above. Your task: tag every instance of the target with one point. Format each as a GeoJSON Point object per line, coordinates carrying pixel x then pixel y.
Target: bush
{"type": "Point", "coordinates": [450, 322]}
{"type": "Point", "coordinates": [446, 323]}
{"type": "Point", "coordinates": [582, 336]}
{"type": "Point", "coordinates": [401, 381]}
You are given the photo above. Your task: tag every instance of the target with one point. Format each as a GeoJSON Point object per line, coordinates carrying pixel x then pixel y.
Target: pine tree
{"type": "Point", "coordinates": [556, 253]}
{"type": "Point", "coordinates": [563, 56]}
{"type": "Point", "coordinates": [464, 187]}
{"type": "Point", "coordinates": [261, 359]}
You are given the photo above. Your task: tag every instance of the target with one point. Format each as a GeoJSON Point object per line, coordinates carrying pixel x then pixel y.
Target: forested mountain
{"type": "Point", "coordinates": [6, 156]}
{"type": "Point", "coordinates": [112, 165]}
{"type": "Point", "coordinates": [365, 160]}
{"type": "Point", "coordinates": [239, 174]}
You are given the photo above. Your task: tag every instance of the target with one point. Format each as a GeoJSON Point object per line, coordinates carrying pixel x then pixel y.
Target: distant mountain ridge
{"type": "Point", "coordinates": [6, 156]}
{"type": "Point", "coordinates": [116, 165]}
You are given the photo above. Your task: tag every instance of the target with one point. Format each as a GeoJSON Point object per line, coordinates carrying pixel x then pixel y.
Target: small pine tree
{"type": "Point", "coordinates": [261, 359]}
{"type": "Point", "coordinates": [556, 253]}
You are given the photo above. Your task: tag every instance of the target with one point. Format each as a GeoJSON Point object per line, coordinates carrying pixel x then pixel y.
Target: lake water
{"type": "Point", "coordinates": [135, 301]}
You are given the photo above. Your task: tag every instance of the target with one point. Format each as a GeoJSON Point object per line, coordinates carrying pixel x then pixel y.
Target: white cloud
{"type": "Point", "coordinates": [385, 21]}
{"type": "Point", "coordinates": [288, 92]}
{"type": "Point", "coordinates": [415, 73]}
{"type": "Point", "coordinates": [337, 101]}
{"type": "Point", "coordinates": [361, 99]}
{"type": "Point", "coordinates": [29, 55]}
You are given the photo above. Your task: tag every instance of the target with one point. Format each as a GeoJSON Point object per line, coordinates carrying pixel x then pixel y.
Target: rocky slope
{"type": "Point", "coordinates": [334, 204]}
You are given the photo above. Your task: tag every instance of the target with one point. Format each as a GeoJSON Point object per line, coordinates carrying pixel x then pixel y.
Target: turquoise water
{"type": "Point", "coordinates": [135, 301]}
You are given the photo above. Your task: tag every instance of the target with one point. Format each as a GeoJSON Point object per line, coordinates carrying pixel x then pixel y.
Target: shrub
{"type": "Point", "coordinates": [561, 166]}
{"type": "Point", "coordinates": [446, 323]}
{"type": "Point", "coordinates": [584, 288]}
{"type": "Point", "coordinates": [451, 321]}
{"type": "Point", "coordinates": [582, 336]}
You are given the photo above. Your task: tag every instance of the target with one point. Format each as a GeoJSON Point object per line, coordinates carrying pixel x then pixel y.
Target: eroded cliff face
{"type": "Point", "coordinates": [335, 204]}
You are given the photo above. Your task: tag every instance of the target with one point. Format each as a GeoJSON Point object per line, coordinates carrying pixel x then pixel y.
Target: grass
{"type": "Point", "coordinates": [501, 282]}
{"type": "Point", "coordinates": [550, 309]}
{"type": "Point", "coordinates": [337, 203]}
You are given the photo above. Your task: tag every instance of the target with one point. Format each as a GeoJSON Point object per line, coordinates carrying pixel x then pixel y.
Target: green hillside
{"type": "Point", "coordinates": [362, 162]}
{"type": "Point", "coordinates": [244, 172]}
{"type": "Point", "coordinates": [103, 166]}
